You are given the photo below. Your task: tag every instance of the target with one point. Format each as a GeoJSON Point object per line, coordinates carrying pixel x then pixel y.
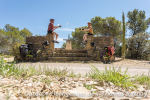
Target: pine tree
{"type": "Point", "coordinates": [123, 38]}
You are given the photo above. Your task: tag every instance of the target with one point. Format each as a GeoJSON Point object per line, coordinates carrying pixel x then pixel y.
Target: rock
{"type": "Point", "coordinates": [16, 81]}
{"type": "Point", "coordinates": [111, 84]}
{"type": "Point", "coordinates": [43, 76]}
{"type": "Point", "coordinates": [13, 98]}
{"type": "Point", "coordinates": [101, 83]}
{"type": "Point", "coordinates": [141, 89]}
{"type": "Point", "coordinates": [81, 93]}
{"type": "Point", "coordinates": [3, 82]}
{"type": "Point", "coordinates": [44, 87]}
{"type": "Point", "coordinates": [2, 96]}
{"type": "Point", "coordinates": [87, 79]}
{"type": "Point", "coordinates": [29, 84]}
{"type": "Point", "coordinates": [108, 90]}
{"type": "Point", "coordinates": [26, 82]}
{"type": "Point", "coordinates": [91, 83]}
{"type": "Point", "coordinates": [138, 98]}
{"type": "Point", "coordinates": [62, 78]}
{"type": "Point", "coordinates": [35, 76]}
{"type": "Point", "coordinates": [121, 98]}
{"type": "Point", "coordinates": [75, 79]}
{"type": "Point", "coordinates": [1, 76]}
{"type": "Point", "coordinates": [100, 88]}
{"type": "Point", "coordinates": [81, 79]}
{"type": "Point", "coordinates": [63, 86]}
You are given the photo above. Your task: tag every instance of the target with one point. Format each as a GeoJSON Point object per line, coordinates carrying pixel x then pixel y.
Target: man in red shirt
{"type": "Point", "coordinates": [51, 29]}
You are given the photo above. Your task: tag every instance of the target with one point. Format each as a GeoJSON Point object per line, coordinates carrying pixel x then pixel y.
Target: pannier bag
{"type": "Point", "coordinates": [23, 49]}
{"type": "Point", "coordinates": [46, 43]}
{"type": "Point", "coordinates": [111, 50]}
{"type": "Point", "coordinates": [92, 44]}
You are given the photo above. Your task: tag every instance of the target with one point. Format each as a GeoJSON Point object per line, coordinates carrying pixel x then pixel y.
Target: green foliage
{"type": "Point", "coordinates": [11, 38]}
{"type": "Point", "coordinates": [8, 69]}
{"type": "Point", "coordinates": [15, 49]}
{"type": "Point", "coordinates": [64, 45]}
{"type": "Point", "coordinates": [137, 22]}
{"type": "Point", "coordinates": [38, 35]}
{"type": "Point", "coordinates": [77, 38]}
{"type": "Point", "coordinates": [137, 46]}
{"type": "Point", "coordinates": [112, 75]}
{"type": "Point", "coordinates": [3, 39]}
{"type": "Point", "coordinates": [123, 38]}
{"type": "Point", "coordinates": [143, 79]}
{"type": "Point", "coordinates": [108, 26]}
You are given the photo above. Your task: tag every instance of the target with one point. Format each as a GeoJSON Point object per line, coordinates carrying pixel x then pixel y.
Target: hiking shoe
{"type": "Point", "coordinates": [56, 42]}
{"type": "Point", "coordinates": [84, 43]}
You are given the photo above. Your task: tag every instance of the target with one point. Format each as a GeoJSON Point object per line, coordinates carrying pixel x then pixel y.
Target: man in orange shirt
{"type": "Point", "coordinates": [51, 29]}
{"type": "Point", "coordinates": [90, 32]}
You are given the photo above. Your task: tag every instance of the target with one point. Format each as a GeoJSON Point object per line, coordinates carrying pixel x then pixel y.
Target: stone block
{"type": "Point", "coordinates": [68, 45]}
{"type": "Point", "coordinates": [89, 40]}
{"type": "Point", "coordinates": [49, 37]}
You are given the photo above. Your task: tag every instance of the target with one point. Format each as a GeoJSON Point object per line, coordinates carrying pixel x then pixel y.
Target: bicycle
{"type": "Point", "coordinates": [41, 54]}
{"type": "Point", "coordinates": [91, 54]}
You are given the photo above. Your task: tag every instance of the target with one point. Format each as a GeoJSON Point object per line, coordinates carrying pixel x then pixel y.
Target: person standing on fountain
{"type": "Point", "coordinates": [90, 32]}
{"type": "Point", "coordinates": [51, 29]}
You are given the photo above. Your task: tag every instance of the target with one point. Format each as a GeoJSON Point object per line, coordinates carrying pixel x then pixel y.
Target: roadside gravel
{"type": "Point", "coordinates": [134, 66]}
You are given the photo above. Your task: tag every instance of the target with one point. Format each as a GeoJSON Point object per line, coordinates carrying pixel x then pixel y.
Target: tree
{"type": "Point", "coordinates": [13, 37]}
{"type": "Point", "coordinates": [25, 32]}
{"type": "Point", "coordinates": [108, 26]}
{"type": "Point", "coordinates": [137, 22]}
{"type": "Point", "coordinates": [3, 39]}
{"type": "Point", "coordinates": [137, 45]}
{"type": "Point", "coordinates": [77, 38]}
{"type": "Point", "coordinates": [123, 38]}
{"type": "Point", "coordinates": [64, 45]}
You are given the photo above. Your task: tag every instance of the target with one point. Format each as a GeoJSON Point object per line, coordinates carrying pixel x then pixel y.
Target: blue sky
{"type": "Point", "coordinates": [35, 14]}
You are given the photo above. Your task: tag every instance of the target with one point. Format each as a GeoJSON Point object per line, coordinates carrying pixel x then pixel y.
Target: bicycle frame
{"type": "Point", "coordinates": [107, 56]}
{"type": "Point", "coordinates": [38, 51]}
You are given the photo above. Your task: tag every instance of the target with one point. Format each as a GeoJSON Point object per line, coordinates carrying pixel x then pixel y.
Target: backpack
{"type": "Point", "coordinates": [111, 50]}
{"type": "Point", "coordinates": [23, 49]}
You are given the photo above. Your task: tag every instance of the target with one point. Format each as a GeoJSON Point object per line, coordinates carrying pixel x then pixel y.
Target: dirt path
{"type": "Point", "coordinates": [135, 66]}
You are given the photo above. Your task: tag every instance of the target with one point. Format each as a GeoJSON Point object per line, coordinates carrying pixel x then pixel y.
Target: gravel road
{"type": "Point", "coordinates": [134, 66]}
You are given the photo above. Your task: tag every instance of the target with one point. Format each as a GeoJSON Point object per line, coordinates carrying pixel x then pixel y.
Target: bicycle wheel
{"type": "Point", "coordinates": [16, 59]}
{"type": "Point", "coordinates": [46, 54]}
{"type": "Point", "coordinates": [112, 58]}
{"type": "Point", "coordinates": [33, 56]}
{"type": "Point", "coordinates": [22, 58]}
{"type": "Point", "coordinates": [105, 57]}
{"type": "Point", "coordinates": [91, 54]}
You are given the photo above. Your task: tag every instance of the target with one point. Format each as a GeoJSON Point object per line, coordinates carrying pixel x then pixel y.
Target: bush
{"type": "Point", "coordinates": [138, 48]}
{"type": "Point", "coordinates": [15, 49]}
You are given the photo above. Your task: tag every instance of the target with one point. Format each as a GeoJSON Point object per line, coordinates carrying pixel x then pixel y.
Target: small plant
{"type": "Point", "coordinates": [143, 80]}
{"type": "Point", "coordinates": [89, 87]}
{"type": "Point", "coordinates": [71, 74]}
{"type": "Point", "coordinates": [112, 75]}
{"type": "Point", "coordinates": [79, 75]}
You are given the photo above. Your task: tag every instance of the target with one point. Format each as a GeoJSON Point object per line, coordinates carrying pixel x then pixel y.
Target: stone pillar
{"type": "Point", "coordinates": [89, 40]}
{"type": "Point", "coordinates": [49, 37]}
{"type": "Point", "coordinates": [68, 45]}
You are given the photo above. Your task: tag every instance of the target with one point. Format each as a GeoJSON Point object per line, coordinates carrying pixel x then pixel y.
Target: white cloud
{"type": "Point", "coordinates": [65, 29]}
{"type": "Point", "coordinates": [58, 29]}
{"type": "Point", "coordinates": [60, 39]}
{"type": "Point", "coordinates": [41, 28]}
{"type": "Point", "coordinates": [147, 15]}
